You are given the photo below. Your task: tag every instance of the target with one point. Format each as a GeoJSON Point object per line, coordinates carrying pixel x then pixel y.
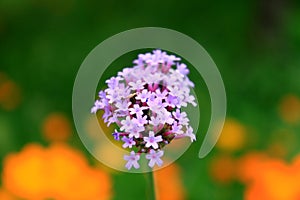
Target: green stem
{"type": "Point", "coordinates": [150, 191]}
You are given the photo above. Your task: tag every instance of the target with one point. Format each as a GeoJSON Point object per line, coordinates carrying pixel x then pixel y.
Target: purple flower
{"type": "Point", "coordinates": [172, 101]}
{"type": "Point", "coordinates": [152, 140]}
{"type": "Point", "coordinates": [128, 142]}
{"type": "Point", "coordinates": [113, 82]}
{"type": "Point", "coordinates": [181, 117]}
{"type": "Point", "coordinates": [161, 95]}
{"type": "Point", "coordinates": [177, 128]}
{"type": "Point", "coordinates": [102, 94]}
{"type": "Point", "coordinates": [157, 105]}
{"type": "Point", "coordinates": [182, 69]}
{"type": "Point", "coordinates": [107, 114]}
{"type": "Point", "coordinates": [113, 96]}
{"type": "Point", "coordinates": [154, 157]}
{"type": "Point", "coordinates": [96, 107]}
{"type": "Point", "coordinates": [140, 120]}
{"type": "Point", "coordinates": [116, 135]}
{"type": "Point", "coordinates": [113, 119]}
{"type": "Point", "coordinates": [145, 101]}
{"type": "Point", "coordinates": [132, 160]}
{"type": "Point", "coordinates": [136, 130]}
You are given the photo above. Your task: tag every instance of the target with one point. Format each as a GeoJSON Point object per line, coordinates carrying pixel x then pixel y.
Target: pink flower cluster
{"type": "Point", "coordinates": [145, 102]}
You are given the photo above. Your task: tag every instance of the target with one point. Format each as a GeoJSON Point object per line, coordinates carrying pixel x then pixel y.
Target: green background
{"type": "Point", "coordinates": [255, 44]}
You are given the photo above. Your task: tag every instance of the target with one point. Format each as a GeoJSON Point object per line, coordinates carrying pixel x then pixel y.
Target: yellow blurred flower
{"type": "Point", "coordinates": [270, 179]}
{"type": "Point", "coordinates": [233, 136]}
{"type": "Point", "coordinates": [58, 172]}
{"type": "Point", "coordinates": [169, 184]}
{"type": "Point", "coordinates": [10, 93]}
{"type": "Point", "coordinates": [56, 127]}
{"type": "Point", "coordinates": [289, 109]}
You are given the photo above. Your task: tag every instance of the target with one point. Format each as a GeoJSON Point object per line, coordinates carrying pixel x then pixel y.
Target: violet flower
{"type": "Point", "coordinates": [145, 101]}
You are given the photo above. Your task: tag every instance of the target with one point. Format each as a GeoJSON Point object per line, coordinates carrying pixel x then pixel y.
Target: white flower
{"type": "Point", "coordinates": [126, 124]}
{"type": "Point", "coordinates": [122, 105]}
{"type": "Point", "coordinates": [139, 85]}
{"type": "Point", "coordinates": [181, 117]}
{"type": "Point", "coordinates": [189, 133]}
{"type": "Point", "coordinates": [137, 109]}
{"type": "Point", "coordinates": [143, 96]}
{"type": "Point", "coordinates": [155, 121]}
{"type": "Point", "coordinates": [161, 95]}
{"type": "Point", "coordinates": [190, 99]}
{"type": "Point", "coordinates": [154, 157]}
{"type": "Point", "coordinates": [97, 106]}
{"type": "Point", "coordinates": [152, 140]}
{"type": "Point", "coordinates": [157, 105]}
{"type": "Point", "coordinates": [140, 120]}
{"type": "Point", "coordinates": [166, 117]}
{"type": "Point", "coordinates": [132, 160]}
{"type": "Point", "coordinates": [136, 130]}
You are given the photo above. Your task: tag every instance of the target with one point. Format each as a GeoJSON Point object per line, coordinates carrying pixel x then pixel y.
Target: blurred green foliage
{"type": "Point", "coordinates": [255, 44]}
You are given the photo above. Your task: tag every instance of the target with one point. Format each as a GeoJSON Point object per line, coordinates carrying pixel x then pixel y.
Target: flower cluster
{"type": "Point", "coordinates": [145, 102]}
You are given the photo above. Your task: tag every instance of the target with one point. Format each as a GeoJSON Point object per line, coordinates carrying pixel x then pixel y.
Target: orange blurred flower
{"type": "Point", "coordinates": [233, 136]}
{"type": "Point", "coordinates": [58, 172]}
{"type": "Point", "coordinates": [270, 179]}
{"type": "Point", "coordinates": [10, 93]}
{"type": "Point", "coordinates": [4, 195]}
{"type": "Point", "coordinates": [56, 127]}
{"type": "Point", "coordinates": [23, 174]}
{"type": "Point", "coordinates": [223, 169]}
{"type": "Point", "coordinates": [289, 109]}
{"type": "Point", "coordinates": [168, 183]}
{"type": "Point", "coordinates": [249, 164]}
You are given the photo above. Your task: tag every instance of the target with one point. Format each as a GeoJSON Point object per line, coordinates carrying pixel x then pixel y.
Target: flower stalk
{"type": "Point", "coordinates": [150, 190]}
